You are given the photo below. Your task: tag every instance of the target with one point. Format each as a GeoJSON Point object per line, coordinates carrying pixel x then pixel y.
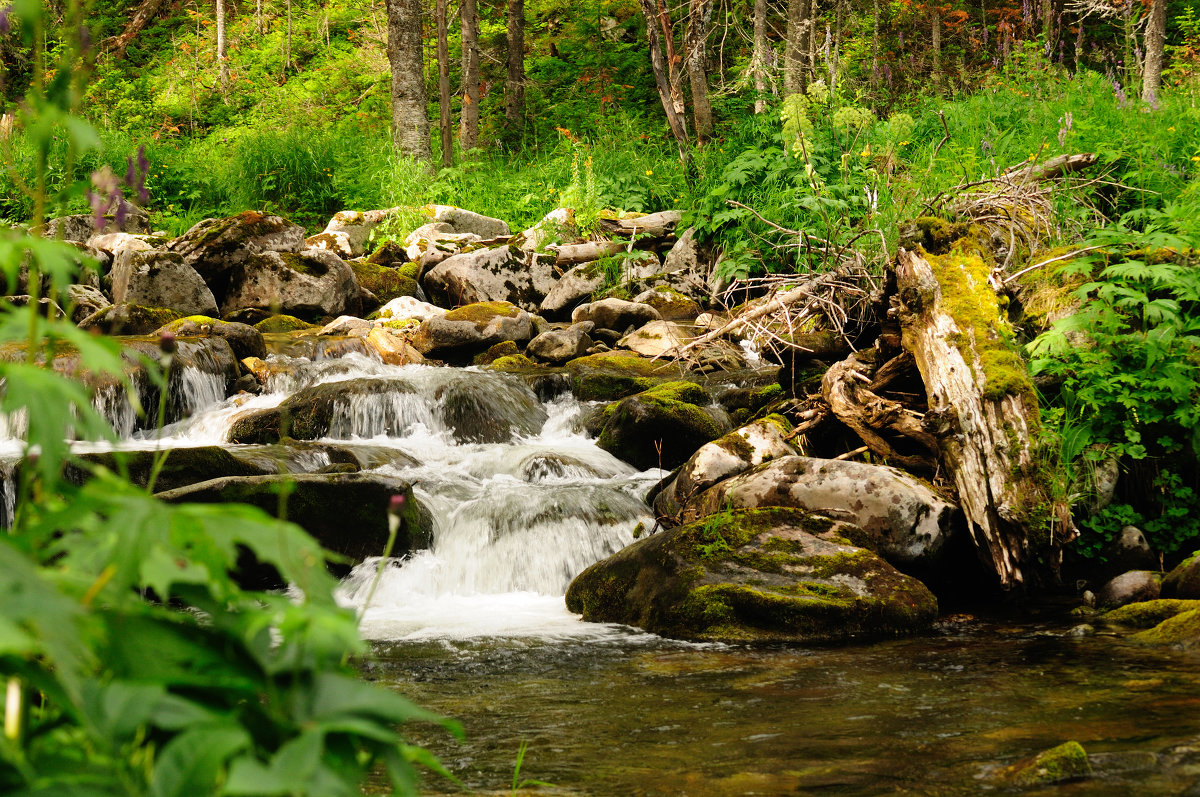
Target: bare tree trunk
{"type": "Point", "coordinates": [875, 44]}
{"type": "Point", "coordinates": [796, 46]}
{"type": "Point", "coordinates": [145, 12]}
{"type": "Point", "coordinates": [514, 88]}
{"type": "Point", "coordinates": [808, 39]}
{"type": "Point", "coordinates": [443, 62]}
{"type": "Point", "coordinates": [935, 25]}
{"type": "Point", "coordinates": [983, 418]}
{"type": "Point", "coordinates": [1048, 26]}
{"type": "Point", "coordinates": [410, 122]}
{"type": "Point", "coordinates": [468, 134]}
{"type": "Point", "coordinates": [287, 48]}
{"type": "Point", "coordinates": [258, 16]}
{"type": "Point", "coordinates": [1156, 33]}
{"type": "Point", "coordinates": [222, 61]}
{"type": "Point", "coordinates": [760, 55]}
{"type": "Point", "coordinates": [699, 21]}
{"type": "Point", "coordinates": [659, 68]}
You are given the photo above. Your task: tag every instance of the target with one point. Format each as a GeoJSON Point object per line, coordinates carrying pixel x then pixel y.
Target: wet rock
{"type": "Point", "coordinates": [736, 452]}
{"type": "Point", "coordinates": [753, 575]}
{"type": "Point", "coordinates": [245, 340]}
{"type": "Point", "coordinates": [310, 285]}
{"type": "Point", "coordinates": [155, 278]}
{"type": "Point", "coordinates": [660, 427]}
{"type": "Point", "coordinates": [1132, 587]}
{"type": "Point", "coordinates": [657, 338]}
{"type": "Point", "coordinates": [1148, 614]}
{"type": "Point", "coordinates": [903, 520]}
{"type": "Point", "coordinates": [561, 345]}
{"type": "Point", "coordinates": [180, 466]}
{"type": "Point", "coordinates": [1184, 580]}
{"type": "Point", "coordinates": [345, 512]}
{"type": "Point", "coordinates": [1068, 761]}
{"type": "Point", "coordinates": [347, 325]}
{"type": "Point", "coordinates": [615, 314]}
{"type": "Point", "coordinates": [490, 415]}
{"type": "Point", "coordinates": [1181, 631]}
{"type": "Point", "coordinates": [465, 221]}
{"type": "Point", "coordinates": [578, 284]}
{"type": "Point", "coordinates": [609, 376]}
{"type": "Point", "coordinates": [461, 333]}
{"type": "Point", "coordinates": [128, 319]}
{"type": "Point", "coordinates": [500, 274]}
{"type": "Point", "coordinates": [392, 348]}
{"type": "Point", "coordinates": [215, 246]}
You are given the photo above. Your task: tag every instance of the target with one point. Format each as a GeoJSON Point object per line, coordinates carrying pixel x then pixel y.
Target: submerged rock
{"type": "Point", "coordinates": [753, 575]}
{"type": "Point", "coordinates": [1068, 761]}
{"type": "Point", "coordinates": [345, 512]}
{"type": "Point", "coordinates": [903, 519]}
{"type": "Point", "coordinates": [660, 427]}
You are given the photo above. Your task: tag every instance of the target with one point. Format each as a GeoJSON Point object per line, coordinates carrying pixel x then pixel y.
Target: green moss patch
{"type": "Point", "coordinates": [483, 312]}
{"type": "Point", "coordinates": [1068, 761]}
{"type": "Point", "coordinates": [1148, 614]}
{"type": "Point", "coordinates": [283, 323]}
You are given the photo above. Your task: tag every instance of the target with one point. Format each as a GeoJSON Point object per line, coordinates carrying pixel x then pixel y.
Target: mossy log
{"type": "Point", "coordinates": [982, 407]}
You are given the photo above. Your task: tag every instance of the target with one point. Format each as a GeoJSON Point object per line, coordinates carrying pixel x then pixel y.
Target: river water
{"type": "Point", "coordinates": [476, 628]}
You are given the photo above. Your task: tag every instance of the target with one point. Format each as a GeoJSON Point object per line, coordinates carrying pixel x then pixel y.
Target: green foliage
{"type": "Point", "coordinates": [1173, 526]}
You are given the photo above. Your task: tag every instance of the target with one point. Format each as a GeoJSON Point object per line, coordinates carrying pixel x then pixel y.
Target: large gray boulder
{"type": "Point", "coordinates": [1132, 587]}
{"type": "Point", "coordinates": [735, 453]}
{"type": "Point", "coordinates": [572, 288]}
{"type": "Point", "coordinates": [557, 346]}
{"type": "Point", "coordinates": [84, 300]}
{"type": "Point", "coordinates": [155, 278]}
{"type": "Point", "coordinates": [215, 246]}
{"type": "Point", "coordinates": [311, 285]}
{"type": "Point", "coordinates": [434, 242]}
{"type": "Point", "coordinates": [347, 233]}
{"type": "Point", "coordinates": [615, 314]}
{"type": "Point", "coordinates": [904, 520]}
{"type": "Point", "coordinates": [460, 334]}
{"type": "Point", "coordinates": [767, 575]}
{"type": "Point", "coordinates": [465, 221]}
{"type": "Point", "coordinates": [501, 274]}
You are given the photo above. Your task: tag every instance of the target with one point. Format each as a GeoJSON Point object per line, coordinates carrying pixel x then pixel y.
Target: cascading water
{"type": "Point", "coordinates": [521, 500]}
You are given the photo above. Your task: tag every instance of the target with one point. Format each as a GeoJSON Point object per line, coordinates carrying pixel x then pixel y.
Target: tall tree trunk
{"type": "Point", "coordinates": [795, 48]}
{"type": "Point", "coordinates": [468, 134]}
{"type": "Point", "coordinates": [935, 26]}
{"type": "Point", "coordinates": [145, 12]}
{"type": "Point", "coordinates": [514, 88]}
{"type": "Point", "coordinates": [287, 47]}
{"type": "Point", "coordinates": [699, 21]}
{"type": "Point", "coordinates": [443, 62]}
{"type": "Point", "coordinates": [875, 44]}
{"type": "Point", "coordinates": [760, 55]}
{"type": "Point", "coordinates": [1156, 33]}
{"type": "Point", "coordinates": [809, 39]}
{"type": "Point", "coordinates": [1048, 27]}
{"type": "Point", "coordinates": [222, 61]}
{"type": "Point", "coordinates": [258, 16]}
{"type": "Point", "coordinates": [410, 123]}
{"type": "Point", "coordinates": [659, 67]}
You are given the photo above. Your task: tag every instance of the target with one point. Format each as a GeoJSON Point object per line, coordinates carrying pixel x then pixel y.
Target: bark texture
{"type": "Point", "coordinates": [222, 60]}
{"type": "Point", "coordinates": [145, 12]}
{"type": "Point", "coordinates": [761, 48]}
{"type": "Point", "coordinates": [445, 125]}
{"type": "Point", "coordinates": [659, 66]}
{"type": "Point", "coordinates": [796, 48]}
{"type": "Point", "coordinates": [514, 88]}
{"type": "Point", "coordinates": [698, 24]}
{"type": "Point", "coordinates": [410, 123]}
{"type": "Point", "coordinates": [468, 132]}
{"type": "Point", "coordinates": [1156, 33]}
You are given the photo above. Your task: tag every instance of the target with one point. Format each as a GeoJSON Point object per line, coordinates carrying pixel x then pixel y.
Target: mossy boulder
{"type": "Point", "coordinates": [214, 246]}
{"type": "Point", "coordinates": [502, 273]}
{"type": "Point", "coordinates": [670, 303]}
{"type": "Point", "coordinates": [753, 576]}
{"type": "Point", "coordinates": [609, 376]}
{"type": "Point", "coordinates": [391, 254]}
{"type": "Point", "coordinates": [245, 340]}
{"type": "Point", "coordinates": [1148, 614]}
{"type": "Point", "coordinates": [283, 323]}
{"type": "Point", "coordinates": [1068, 761]}
{"type": "Point", "coordinates": [1184, 579]}
{"type": "Point", "coordinates": [1180, 631]}
{"type": "Point", "coordinates": [385, 283]}
{"type": "Point", "coordinates": [345, 512]}
{"type": "Point", "coordinates": [505, 348]}
{"type": "Point", "coordinates": [460, 334]}
{"type": "Point", "coordinates": [310, 285]}
{"type": "Point", "coordinates": [659, 427]}
{"type": "Point", "coordinates": [902, 518]}
{"type": "Point", "coordinates": [128, 319]}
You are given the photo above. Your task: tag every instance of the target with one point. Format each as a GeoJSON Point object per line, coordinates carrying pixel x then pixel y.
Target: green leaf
{"type": "Point", "coordinates": [193, 763]}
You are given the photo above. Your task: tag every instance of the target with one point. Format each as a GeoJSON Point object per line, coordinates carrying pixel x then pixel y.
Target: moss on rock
{"type": "Point", "coordinates": [1148, 614]}
{"type": "Point", "coordinates": [386, 283]}
{"type": "Point", "coordinates": [609, 376]}
{"type": "Point", "coordinates": [1068, 761]}
{"type": "Point", "coordinates": [283, 323]}
{"type": "Point", "coordinates": [752, 575]}
{"type": "Point", "coordinates": [505, 348]}
{"type": "Point", "coordinates": [659, 427]}
{"type": "Point", "coordinates": [1182, 630]}
{"type": "Point", "coordinates": [483, 312]}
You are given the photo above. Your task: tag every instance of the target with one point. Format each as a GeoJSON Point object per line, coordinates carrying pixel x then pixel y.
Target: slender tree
{"type": "Point", "coordinates": [935, 27]}
{"type": "Point", "coordinates": [222, 60]}
{"type": "Point", "coordinates": [796, 45]}
{"type": "Point", "coordinates": [698, 24]}
{"type": "Point", "coordinates": [659, 66]}
{"type": "Point", "coordinates": [514, 88]}
{"type": "Point", "coordinates": [445, 125]}
{"type": "Point", "coordinates": [410, 122]}
{"type": "Point", "coordinates": [468, 134]}
{"type": "Point", "coordinates": [761, 48]}
{"type": "Point", "coordinates": [1156, 33]}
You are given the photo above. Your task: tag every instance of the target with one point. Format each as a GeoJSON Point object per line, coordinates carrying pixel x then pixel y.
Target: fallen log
{"type": "Point", "coordinates": [1055, 168]}
{"type": "Point", "coordinates": [659, 225]}
{"type": "Point", "coordinates": [982, 406]}
{"type": "Point", "coordinates": [569, 255]}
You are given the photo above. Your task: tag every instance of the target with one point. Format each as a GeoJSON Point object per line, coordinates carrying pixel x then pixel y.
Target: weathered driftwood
{"type": "Point", "coordinates": [848, 387]}
{"type": "Point", "coordinates": [981, 403]}
{"type": "Point", "coordinates": [651, 226]}
{"type": "Point", "coordinates": [1052, 169]}
{"type": "Point", "coordinates": [569, 255]}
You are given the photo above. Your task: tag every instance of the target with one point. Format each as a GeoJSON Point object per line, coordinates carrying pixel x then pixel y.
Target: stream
{"type": "Point", "coordinates": [476, 628]}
